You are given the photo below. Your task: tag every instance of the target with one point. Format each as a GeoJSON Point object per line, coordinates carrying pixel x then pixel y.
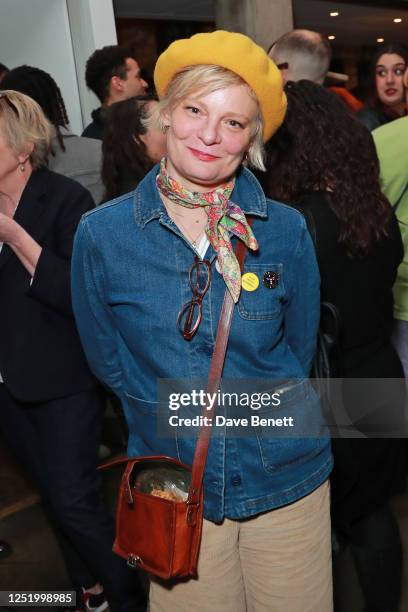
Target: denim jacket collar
{"type": "Point", "coordinates": [247, 194]}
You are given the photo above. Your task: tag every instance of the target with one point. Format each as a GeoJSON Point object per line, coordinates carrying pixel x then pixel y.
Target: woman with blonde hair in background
{"type": "Point", "coordinates": [51, 406]}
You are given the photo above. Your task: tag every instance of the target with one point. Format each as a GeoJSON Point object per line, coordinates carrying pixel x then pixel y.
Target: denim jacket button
{"type": "Point", "coordinates": [236, 480]}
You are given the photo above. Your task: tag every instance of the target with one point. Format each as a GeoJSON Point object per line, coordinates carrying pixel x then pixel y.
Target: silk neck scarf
{"type": "Point", "coordinates": [224, 218]}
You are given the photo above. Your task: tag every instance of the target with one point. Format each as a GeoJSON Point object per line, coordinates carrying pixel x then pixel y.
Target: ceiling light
{"type": "Point", "coordinates": [334, 14]}
{"type": "Point", "coordinates": [397, 20]}
{"type": "Point", "coordinates": [380, 40]}
{"type": "Point", "coordinates": [331, 37]}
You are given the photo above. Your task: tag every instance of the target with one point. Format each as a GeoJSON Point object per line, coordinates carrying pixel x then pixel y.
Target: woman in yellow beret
{"type": "Point", "coordinates": [150, 271]}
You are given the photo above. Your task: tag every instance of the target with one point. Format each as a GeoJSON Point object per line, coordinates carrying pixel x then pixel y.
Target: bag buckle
{"type": "Point", "coordinates": [192, 509]}
{"type": "Point", "coordinates": [133, 561]}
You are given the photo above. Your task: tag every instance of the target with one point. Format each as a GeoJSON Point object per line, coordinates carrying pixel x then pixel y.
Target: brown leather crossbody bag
{"type": "Point", "coordinates": [159, 535]}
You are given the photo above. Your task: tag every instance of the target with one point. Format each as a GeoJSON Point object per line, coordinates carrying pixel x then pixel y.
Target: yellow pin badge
{"type": "Point", "coordinates": [250, 281]}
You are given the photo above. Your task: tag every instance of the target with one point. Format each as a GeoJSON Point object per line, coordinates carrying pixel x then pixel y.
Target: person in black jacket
{"type": "Point", "coordinates": [51, 405]}
{"type": "Point", "coordinates": [324, 162]}
{"type": "Point", "coordinates": [113, 75]}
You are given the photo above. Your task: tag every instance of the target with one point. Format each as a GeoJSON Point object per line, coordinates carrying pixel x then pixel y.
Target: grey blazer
{"type": "Point", "coordinates": [81, 161]}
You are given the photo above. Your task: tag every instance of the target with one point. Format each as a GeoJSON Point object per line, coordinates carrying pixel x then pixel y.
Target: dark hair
{"type": "Point", "coordinates": [103, 65]}
{"type": "Point", "coordinates": [388, 48]}
{"type": "Point", "coordinates": [322, 146]}
{"type": "Point", "coordinates": [42, 88]}
{"type": "Point", "coordinates": [124, 153]}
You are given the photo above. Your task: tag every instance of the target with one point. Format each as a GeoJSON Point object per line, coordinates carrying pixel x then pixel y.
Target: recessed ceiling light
{"type": "Point", "coordinates": [331, 37]}
{"type": "Point", "coordinates": [380, 40]}
{"type": "Point", "coordinates": [397, 20]}
{"type": "Point", "coordinates": [334, 14]}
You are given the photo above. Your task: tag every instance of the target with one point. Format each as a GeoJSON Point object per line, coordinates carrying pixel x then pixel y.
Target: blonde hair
{"type": "Point", "coordinates": [207, 79]}
{"type": "Point", "coordinates": [23, 123]}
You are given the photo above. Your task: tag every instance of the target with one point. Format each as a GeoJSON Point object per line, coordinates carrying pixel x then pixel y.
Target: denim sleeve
{"type": "Point", "coordinates": [93, 316]}
{"type": "Point", "coordinates": [303, 308]}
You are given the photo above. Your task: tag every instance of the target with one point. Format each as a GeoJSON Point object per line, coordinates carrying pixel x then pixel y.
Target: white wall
{"type": "Point", "coordinates": [37, 32]}
{"type": "Point", "coordinates": [92, 27]}
{"type": "Point", "coordinates": [263, 20]}
{"type": "Point", "coordinates": [44, 34]}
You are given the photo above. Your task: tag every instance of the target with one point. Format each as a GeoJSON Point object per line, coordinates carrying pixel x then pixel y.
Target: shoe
{"type": "Point", "coordinates": [94, 603]}
{"type": "Point", "coordinates": [5, 549]}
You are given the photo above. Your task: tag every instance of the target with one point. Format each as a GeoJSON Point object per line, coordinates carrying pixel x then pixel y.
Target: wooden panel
{"type": "Point", "coordinates": [148, 38]}
{"type": "Point", "coordinates": [140, 36]}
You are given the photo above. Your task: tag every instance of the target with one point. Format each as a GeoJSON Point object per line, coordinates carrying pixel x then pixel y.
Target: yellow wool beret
{"type": "Point", "coordinates": [237, 53]}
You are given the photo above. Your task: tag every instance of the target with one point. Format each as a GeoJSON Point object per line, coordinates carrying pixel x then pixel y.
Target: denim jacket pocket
{"type": "Point", "coordinates": [265, 302]}
{"type": "Point", "coordinates": [282, 448]}
{"type": "Point", "coordinates": [145, 406]}
{"type": "Point", "coordinates": [142, 417]}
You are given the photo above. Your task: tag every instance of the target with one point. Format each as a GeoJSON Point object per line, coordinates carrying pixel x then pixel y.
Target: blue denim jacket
{"type": "Point", "coordinates": [129, 281]}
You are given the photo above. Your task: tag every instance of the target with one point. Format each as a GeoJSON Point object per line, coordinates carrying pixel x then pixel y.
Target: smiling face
{"type": "Point", "coordinates": [208, 135]}
{"type": "Point", "coordinates": [389, 72]}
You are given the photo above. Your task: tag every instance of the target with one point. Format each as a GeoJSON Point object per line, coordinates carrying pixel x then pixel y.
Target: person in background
{"type": "Point", "coordinates": [50, 402]}
{"type": "Point", "coordinates": [266, 534]}
{"type": "Point", "coordinates": [113, 74]}
{"type": "Point", "coordinates": [323, 161]}
{"type": "Point", "coordinates": [387, 96]}
{"type": "Point", "coordinates": [391, 141]}
{"type": "Point", "coordinates": [305, 54]}
{"type": "Point", "coordinates": [3, 71]}
{"type": "Point", "coordinates": [302, 54]}
{"type": "Point", "coordinates": [352, 103]}
{"type": "Point", "coordinates": [5, 548]}
{"type": "Point", "coordinates": [130, 149]}
{"type": "Point", "coordinates": [73, 156]}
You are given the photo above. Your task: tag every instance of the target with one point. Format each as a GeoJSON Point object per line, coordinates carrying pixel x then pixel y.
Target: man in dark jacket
{"type": "Point", "coordinates": [113, 75]}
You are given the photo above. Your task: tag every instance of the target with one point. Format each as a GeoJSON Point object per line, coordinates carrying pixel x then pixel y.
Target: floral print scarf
{"type": "Point", "coordinates": [224, 218]}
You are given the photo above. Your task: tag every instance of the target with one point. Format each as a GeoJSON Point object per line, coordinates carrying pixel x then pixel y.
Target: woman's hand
{"type": "Point", "coordinates": [9, 230]}
{"type": "Point", "coordinates": [25, 247]}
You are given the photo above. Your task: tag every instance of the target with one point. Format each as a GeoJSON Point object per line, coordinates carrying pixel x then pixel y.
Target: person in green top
{"type": "Point", "coordinates": [391, 141]}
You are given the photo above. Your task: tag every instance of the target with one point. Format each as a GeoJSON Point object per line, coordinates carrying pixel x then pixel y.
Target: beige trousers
{"type": "Point", "coordinates": [279, 561]}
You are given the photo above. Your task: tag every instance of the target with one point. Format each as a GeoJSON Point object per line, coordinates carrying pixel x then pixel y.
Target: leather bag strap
{"type": "Point", "coordinates": [214, 379]}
